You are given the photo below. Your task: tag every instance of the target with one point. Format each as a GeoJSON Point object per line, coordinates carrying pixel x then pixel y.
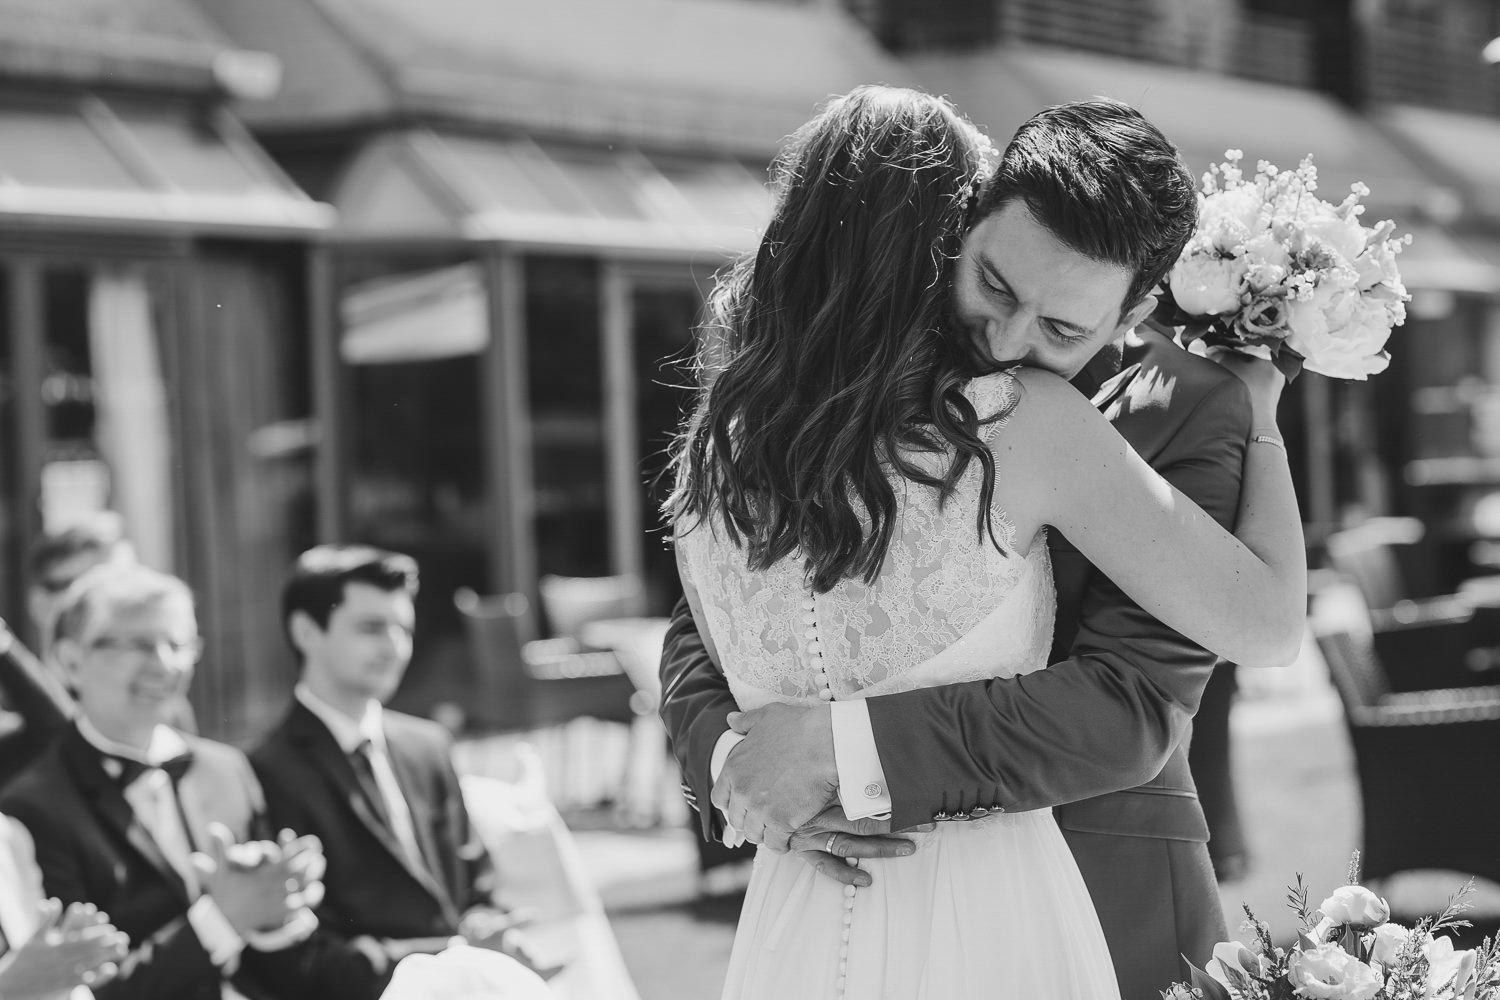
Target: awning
{"type": "Point", "coordinates": [422, 184]}
{"type": "Point", "coordinates": [152, 167]}
{"type": "Point", "coordinates": [1464, 147]}
{"type": "Point", "coordinates": [1206, 114]}
{"type": "Point", "coordinates": [416, 317]}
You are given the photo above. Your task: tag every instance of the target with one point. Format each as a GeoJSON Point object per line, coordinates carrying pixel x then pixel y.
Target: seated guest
{"type": "Point", "coordinates": [406, 873]}
{"type": "Point", "coordinates": [121, 804]}
{"type": "Point", "coordinates": [46, 951]}
{"type": "Point", "coordinates": [39, 704]}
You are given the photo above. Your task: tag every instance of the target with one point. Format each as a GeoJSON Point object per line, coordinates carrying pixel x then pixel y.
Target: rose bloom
{"type": "Point", "coordinates": [1328, 972]}
{"type": "Point", "coordinates": [1354, 904]}
{"type": "Point", "coordinates": [1207, 286]}
{"type": "Point", "coordinates": [1263, 320]}
{"type": "Point", "coordinates": [1388, 941]}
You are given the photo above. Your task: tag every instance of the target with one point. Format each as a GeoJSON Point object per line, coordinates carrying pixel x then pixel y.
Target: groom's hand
{"type": "Point", "coordinates": [832, 841]}
{"type": "Point", "coordinates": [780, 775]}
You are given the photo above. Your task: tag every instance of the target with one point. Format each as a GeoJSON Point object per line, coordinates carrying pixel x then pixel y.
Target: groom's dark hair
{"type": "Point", "coordinates": [1105, 182]}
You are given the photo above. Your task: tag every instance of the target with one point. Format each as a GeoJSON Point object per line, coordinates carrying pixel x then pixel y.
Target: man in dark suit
{"type": "Point", "coordinates": [406, 872]}
{"type": "Point", "coordinates": [147, 823]}
{"type": "Point", "coordinates": [1101, 732]}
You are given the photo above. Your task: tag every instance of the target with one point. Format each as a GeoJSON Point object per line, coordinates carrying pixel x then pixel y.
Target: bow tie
{"type": "Point", "coordinates": [130, 770]}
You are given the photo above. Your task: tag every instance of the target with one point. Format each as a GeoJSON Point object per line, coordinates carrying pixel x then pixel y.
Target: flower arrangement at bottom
{"type": "Point", "coordinates": [1276, 271]}
{"type": "Point", "coordinates": [1348, 949]}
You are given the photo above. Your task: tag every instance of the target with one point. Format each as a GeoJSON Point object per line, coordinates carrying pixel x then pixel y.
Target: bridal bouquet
{"type": "Point", "coordinates": [1347, 949]}
{"type": "Point", "coordinates": [1276, 271]}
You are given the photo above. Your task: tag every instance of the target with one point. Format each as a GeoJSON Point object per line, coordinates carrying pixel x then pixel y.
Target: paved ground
{"type": "Point", "coordinates": [1298, 796]}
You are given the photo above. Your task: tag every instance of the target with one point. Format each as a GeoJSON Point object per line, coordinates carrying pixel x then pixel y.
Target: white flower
{"type": "Point", "coordinates": [1231, 216]}
{"type": "Point", "coordinates": [1328, 972]}
{"type": "Point", "coordinates": [1354, 904]}
{"type": "Point", "coordinates": [1445, 965]}
{"type": "Point", "coordinates": [1353, 349]}
{"type": "Point", "coordinates": [1271, 263]}
{"type": "Point", "coordinates": [1388, 941]}
{"type": "Point", "coordinates": [1345, 237]}
{"type": "Point", "coordinates": [1207, 286]}
{"type": "Point", "coordinates": [1233, 962]}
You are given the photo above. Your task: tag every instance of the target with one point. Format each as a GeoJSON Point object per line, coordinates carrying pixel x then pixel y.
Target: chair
{"type": "Point", "coordinates": [1450, 640]}
{"type": "Point", "coordinates": [571, 602]}
{"type": "Point", "coordinates": [524, 683]}
{"type": "Point", "coordinates": [1422, 757]}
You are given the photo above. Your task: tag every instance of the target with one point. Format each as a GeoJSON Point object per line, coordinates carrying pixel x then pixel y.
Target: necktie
{"type": "Point", "coordinates": [378, 782]}
{"type": "Point", "coordinates": [364, 771]}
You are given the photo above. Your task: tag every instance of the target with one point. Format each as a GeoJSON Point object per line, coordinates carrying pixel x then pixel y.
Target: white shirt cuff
{"type": "Point", "coordinates": [215, 933]}
{"type": "Point", "coordinates": [727, 742]}
{"type": "Point", "coordinates": [863, 791]}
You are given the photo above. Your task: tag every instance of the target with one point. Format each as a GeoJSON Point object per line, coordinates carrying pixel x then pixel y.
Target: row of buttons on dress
{"type": "Point", "coordinates": [825, 692]}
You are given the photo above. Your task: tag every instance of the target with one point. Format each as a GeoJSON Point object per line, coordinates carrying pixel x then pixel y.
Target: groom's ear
{"type": "Point", "coordinates": [1136, 314]}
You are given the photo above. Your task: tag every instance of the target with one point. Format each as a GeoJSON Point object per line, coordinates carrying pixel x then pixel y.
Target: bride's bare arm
{"type": "Point", "coordinates": [1243, 596]}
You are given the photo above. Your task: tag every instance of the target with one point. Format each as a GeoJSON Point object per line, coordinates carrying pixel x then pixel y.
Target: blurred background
{"type": "Point", "coordinates": [423, 274]}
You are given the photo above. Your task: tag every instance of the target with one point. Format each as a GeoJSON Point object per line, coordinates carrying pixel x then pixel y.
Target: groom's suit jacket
{"type": "Point", "coordinates": [91, 848]}
{"type": "Point", "coordinates": [372, 891]}
{"type": "Point", "coordinates": [1101, 732]}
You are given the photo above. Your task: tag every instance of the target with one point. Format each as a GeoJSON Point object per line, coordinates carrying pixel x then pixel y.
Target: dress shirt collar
{"type": "Point", "coordinates": [166, 743]}
{"type": "Point", "coordinates": [347, 733]}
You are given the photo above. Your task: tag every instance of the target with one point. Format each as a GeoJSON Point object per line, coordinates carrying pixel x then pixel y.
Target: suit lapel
{"type": "Point", "coordinates": [408, 768]}
{"type": "Point", "coordinates": [108, 801]}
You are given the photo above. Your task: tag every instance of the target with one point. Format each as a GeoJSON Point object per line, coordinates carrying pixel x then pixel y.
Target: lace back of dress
{"type": "Point", "coordinates": [941, 581]}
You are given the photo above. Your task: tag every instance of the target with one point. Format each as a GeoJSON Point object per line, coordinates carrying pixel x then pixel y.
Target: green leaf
{"type": "Point", "coordinates": [1211, 987]}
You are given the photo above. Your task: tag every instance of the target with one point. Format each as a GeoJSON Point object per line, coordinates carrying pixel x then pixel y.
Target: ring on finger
{"type": "Point", "coordinates": [828, 844]}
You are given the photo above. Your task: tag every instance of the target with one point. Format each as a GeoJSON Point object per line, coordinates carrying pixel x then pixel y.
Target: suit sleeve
{"type": "Point", "coordinates": [1106, 718]}
{"type": "Point", "coordinates": [695, 703]}
{"type": "Point", "coordinates": [171, 961]}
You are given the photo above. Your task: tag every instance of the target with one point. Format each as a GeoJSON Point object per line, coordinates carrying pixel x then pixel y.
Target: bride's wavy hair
{"type": "Point", "coordinates": [826, 358]}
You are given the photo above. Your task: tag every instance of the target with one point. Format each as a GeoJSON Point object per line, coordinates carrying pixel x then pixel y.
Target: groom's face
{"type": "Point", "coordinates": [1034, 301]}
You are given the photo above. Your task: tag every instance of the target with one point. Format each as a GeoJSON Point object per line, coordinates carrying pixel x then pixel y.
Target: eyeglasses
{"type": "Point", "coordinates": [141, 647]}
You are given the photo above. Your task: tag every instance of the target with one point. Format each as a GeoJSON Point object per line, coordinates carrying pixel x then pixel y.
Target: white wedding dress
{"type": "Point", "coordinates": [992, 907]}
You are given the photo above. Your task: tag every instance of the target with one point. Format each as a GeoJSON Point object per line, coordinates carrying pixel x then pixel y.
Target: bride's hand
{"type": "Point", "coordinates": [831, 842]}
{"type": "Point", "coordinates": [1262, 377]}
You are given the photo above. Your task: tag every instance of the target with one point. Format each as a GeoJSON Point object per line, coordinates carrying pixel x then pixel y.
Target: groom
{"type": "Point", "coordinates": [1101, 734]}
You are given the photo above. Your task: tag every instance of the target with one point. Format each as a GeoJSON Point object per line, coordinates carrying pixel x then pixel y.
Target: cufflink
{"type": "Point", "coordinates": [873, 790]}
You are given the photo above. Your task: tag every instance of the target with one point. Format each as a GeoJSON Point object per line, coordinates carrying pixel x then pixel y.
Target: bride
{"type": "Point", "coordinates": [862, 499]}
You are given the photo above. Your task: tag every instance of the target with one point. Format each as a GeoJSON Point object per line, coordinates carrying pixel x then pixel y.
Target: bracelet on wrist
{"type": "Point", "coordinates": [1269, 439]}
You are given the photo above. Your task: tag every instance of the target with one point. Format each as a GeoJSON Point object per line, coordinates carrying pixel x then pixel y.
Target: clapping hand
{"type": "Point", "coordinates": [781, 775]}
{"type": "Point", "coordinates": [266, 890]}
{"type": "Point", "coordinates": [73, 947]}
